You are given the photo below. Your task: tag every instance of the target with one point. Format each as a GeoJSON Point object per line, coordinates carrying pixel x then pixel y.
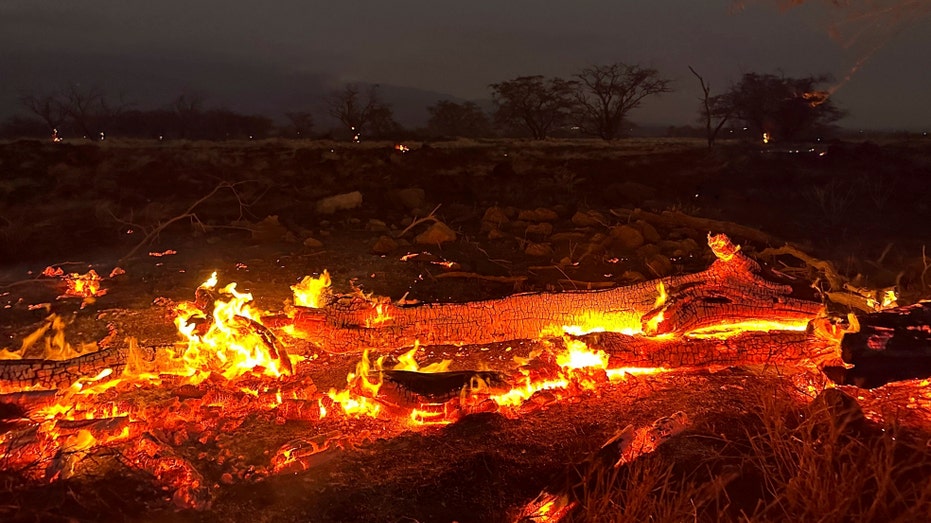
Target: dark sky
{"type": "Point", "coordinates": [276, 55]}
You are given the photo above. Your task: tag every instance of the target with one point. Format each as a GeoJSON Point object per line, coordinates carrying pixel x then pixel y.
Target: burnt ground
{"type": "Point", "coordinates": [79, 206]}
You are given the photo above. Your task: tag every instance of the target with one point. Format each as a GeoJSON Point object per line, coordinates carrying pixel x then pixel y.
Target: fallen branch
{"type": "Point", "coordinates": [677, 219]}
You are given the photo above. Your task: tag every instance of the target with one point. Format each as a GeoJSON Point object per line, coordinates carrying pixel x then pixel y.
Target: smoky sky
{"type": "Point", "coordinates": [270, 56]}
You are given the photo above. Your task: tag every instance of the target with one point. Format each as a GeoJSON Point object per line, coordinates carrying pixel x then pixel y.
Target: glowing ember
{"type": "Point", "coordinates": [767, 137]}
{"type": "Point", "coordinates": [84, 285]}
{"type": "Point", "coordinates": [312, 292]}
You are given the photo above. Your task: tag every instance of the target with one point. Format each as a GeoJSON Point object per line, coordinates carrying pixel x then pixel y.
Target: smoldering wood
{"type": "Point", "coordinates": [727, 292]}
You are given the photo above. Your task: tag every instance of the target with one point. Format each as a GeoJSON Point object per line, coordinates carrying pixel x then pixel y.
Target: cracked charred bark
{"type": "Point", "coordinates": [730, 291]}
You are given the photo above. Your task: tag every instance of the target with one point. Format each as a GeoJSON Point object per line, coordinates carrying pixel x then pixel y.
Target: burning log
{"type": "Point", "coordinates": [778, 348]}
{"type": "Point", "coordinates": [730, 292]}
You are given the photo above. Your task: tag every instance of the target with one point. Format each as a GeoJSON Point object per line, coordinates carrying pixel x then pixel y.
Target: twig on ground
{"type": "Point", "coordinates": [428, 218]}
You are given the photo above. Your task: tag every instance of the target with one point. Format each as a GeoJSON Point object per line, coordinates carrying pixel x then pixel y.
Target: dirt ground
{"type": "Point", "coordinates": [526, 216]}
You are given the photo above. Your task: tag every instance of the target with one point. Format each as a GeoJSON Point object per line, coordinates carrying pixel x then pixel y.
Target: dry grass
{"type": "Point", "coordinates": [821, 463]}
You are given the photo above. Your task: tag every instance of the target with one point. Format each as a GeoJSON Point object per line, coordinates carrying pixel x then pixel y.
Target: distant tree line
{"type": "Point", "coordinates": [595, 102]}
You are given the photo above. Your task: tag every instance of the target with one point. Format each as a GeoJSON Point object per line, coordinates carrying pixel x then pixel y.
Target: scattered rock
{"type": "Point", "coordinates": [384, 245]}
{"type": "Point", "coordinates": [588, 219]}
{"type": "Point", "coordinates": [411, 198]}
{"type": "Point", "coordinates": [647, 250]}
{"type": "Point", "coordinates": [313, 243]}
{"type": "Point", "coordinates": [649, 232]}
{"type": "Point", "coordinates": [496, 234]}
{"type": "Point", "coordinates": [340, 202]}
{"type": "Point", "coordinates": [540, 214]}
{"type": "Point", "coordinates": [494, 218]}
{"type": "Point", "coordinates": [269, 230]}
{"type": "Point", "coordinates": [568, 236]}
{"type": "Point", "coordinates": [541, 230]}
{"type": "Point", "coordinates": [627, 237]}
{"type": "Point", "coordinates": [659, 265]}
{"type": "Point", "coordinates": [539, 249]}
{"type": "Point", "coordinates": [376, 226]}
{"type": "Point", "coordinates": [437, 234]}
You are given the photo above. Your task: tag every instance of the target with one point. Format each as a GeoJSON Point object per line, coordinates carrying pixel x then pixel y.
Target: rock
{"type": "Point", "coordinates": [269, 230]}
{"type": "Point", "coordinates": [568, 236]}
{"type": "Point", "coordinates": [496, 234]}
{"type": "Point", "coordinates": [540, 214]}
{"type": "Point", "coordinates": [313, 243]}
{"type": "Point", "coordinates": [412, 198]}
{"type": "Point", "coordinates": [494, 218]}
{"type": "Point", "coordinates": [541, 230]}
{"type": "Point", "coordinates": [437, 234]}
{"type": "Point", "coordinates": [588, 219]}
{"type": "Point", "coordinates": [627, 237]}
{"type": "Point", "coordinates": [647, 250]}
{"type": "Point", "coordinates": [376, 226]}
{"type": "Point", "coordinates": [384, 245]}
{"type": "Point", "coordinates": [689, 246]}
{"type": "Point", "coordinates": [659, 265]}
{"type": "Point", "coordinates": [340, 202]}
{"type": "Point", "coordinates": [539, 249]}
{"type": "Point", "coordinates": [649, 232]}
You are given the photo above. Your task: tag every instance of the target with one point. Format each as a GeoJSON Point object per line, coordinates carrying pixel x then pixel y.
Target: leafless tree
{"type": "Point", "coordinates": [533, 103]}
{"type": "Point", "coordinates": [715, 110]}
{"type": "Point", "coordinates": [360, 112]}
{"type": "Point", "coordinates": [48, 107]}
{"type": "Point", "coordinates": [608, 92]}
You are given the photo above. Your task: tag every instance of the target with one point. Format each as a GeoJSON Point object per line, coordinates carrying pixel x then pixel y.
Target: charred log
{"type": "Point", "coordinates": [730, 291]}
{"type": "Point", "coordinates": [54, 374]}
{"type": "Point", "coordinates": [778, 348]}
{"type": "Point", "coordinates": [891, 345]}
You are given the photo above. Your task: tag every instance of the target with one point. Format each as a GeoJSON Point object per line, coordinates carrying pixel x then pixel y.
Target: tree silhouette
{"type": "Point", "coordinates": [50, 108]}
{"type": "Point", "coordinates": [606, 93]}
{"type": "Point", "coordinates": [533, 104]}
{"type": "Point", "coordinates": [784, 108]}
{"type": "Point", "coordinates": [452, 119]}
{"type": "Point", "coordinates": [716, 110]}
{"type": "Point", "coordinates": [360, 113]}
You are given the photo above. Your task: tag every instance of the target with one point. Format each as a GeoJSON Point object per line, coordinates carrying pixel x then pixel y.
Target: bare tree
{"type": "Point", "coordinates": [608, 92]}
{"type": "Point", "coordinates": [533, 103]}
{"type": "Point", "coordinates": [360, 113]}
{"type": "Point", "coordinates": [84, 107]}
{"type": "Point", "coordinates": [715, 111]}
{"type": "Point", "coordinates": [48, 107]}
